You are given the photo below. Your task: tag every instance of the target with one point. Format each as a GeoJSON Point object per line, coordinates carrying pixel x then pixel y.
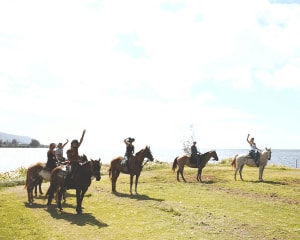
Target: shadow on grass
{"type": "Point", "coordinates": [141, 197]}
{"type": "Point", "coordinates": [268, 182]}
{"type": "Point", "coordinates": [74, 218]}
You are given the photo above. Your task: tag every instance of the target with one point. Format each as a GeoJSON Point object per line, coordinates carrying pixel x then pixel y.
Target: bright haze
{"type": "Point", "coordinates": [151, 70]}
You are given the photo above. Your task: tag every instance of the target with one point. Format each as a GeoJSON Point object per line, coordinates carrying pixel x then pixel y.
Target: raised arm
{"type": "Point", "coordinates": [248, 139]}
{"type": "Point", "coordinates": [81, 139]}
{"type": "Point", "coordinates": [65, 143]}
{"type": "Point", "coordinates": [126, 141]}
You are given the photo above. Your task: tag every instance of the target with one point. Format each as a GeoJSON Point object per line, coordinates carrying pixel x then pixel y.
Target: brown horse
{"type": "Point", "coordinates": [33, 179]}
{"type": "Point", "coordinates": [136, 165]}
{"type": "Point", "coordinates": [35, 175]}
{"type": "Point", "coordinates": [81, 181]}
{"type": "Point", "coordinates": [185, 160]}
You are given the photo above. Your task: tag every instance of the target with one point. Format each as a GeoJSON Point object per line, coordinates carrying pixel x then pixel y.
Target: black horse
{"type": "Point", "coordinates": [81, 181]}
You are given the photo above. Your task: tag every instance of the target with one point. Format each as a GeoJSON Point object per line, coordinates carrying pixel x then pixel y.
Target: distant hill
{"type": "Point", "coordinates": [20, 139]}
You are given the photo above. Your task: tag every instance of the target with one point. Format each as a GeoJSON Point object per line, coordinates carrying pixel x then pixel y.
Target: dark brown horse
{"type": "Point", "coordinates": [185, 160]}
{"type": "Point", "coordinates": [81, 181]}
{"type": "Point", "coordinates": [136, 165]}
{"type": "Point", "coordinates": [33, 179]}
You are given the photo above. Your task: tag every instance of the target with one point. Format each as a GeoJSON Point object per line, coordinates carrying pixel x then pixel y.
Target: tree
{"type": "Point", "coordinates": [34, 143]}
{"type": "Point", "coordinates": [186, 144]}
{"type": "Point", "coordinates": [14, 142]}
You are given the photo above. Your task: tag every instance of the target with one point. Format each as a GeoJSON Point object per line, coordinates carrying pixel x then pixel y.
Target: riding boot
{"type": "Point", "coordinates": [198, 162]}
{"type": "Point", "coordinates": [256, 161]}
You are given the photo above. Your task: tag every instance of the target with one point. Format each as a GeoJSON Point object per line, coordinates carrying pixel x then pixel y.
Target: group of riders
{"type": "Point", "coordinates": [55, 154]}
{"type": "Point", "coordinates": [253, 153]}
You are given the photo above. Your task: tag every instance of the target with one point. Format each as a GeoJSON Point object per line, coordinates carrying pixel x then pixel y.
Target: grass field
{"type": "Point", "coordinates": [218, 208]}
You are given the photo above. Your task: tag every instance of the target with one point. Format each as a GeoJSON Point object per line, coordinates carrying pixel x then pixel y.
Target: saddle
{"type": "Point", "coordinates": [193, 159]}
{"type": "Point", "coordinates": [62, 172]}
{"type": "Point", "coordinates": [45, 173]}
{"type": "Point", "coordinates": [254, 156]}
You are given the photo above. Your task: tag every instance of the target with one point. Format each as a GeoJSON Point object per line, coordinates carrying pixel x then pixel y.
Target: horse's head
{"type": "Point", "coordinates": [214, 155]}
{"type": "Point", "coordinates": [96, 166]}
{"type": "Point", "coordinates": [148, 153]}
{"type": "Point", "coordinates": [268, 152]}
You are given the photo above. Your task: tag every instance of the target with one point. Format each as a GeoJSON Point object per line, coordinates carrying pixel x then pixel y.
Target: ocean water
{"type": "Point", "coordinates": [13, 158]}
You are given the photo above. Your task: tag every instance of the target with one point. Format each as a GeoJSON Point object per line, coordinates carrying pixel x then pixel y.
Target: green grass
{"type": "Point", "coordinates": [218, 208]}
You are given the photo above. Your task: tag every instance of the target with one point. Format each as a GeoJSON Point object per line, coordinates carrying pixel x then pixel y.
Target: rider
{"type": "Point", "coordinates": [195, 154]}
{"type": "Point", "coordinates": [129, 151]}
{"type": "Point", "coordinates": [254, 152]}
{"type": "Point", "coordinates": [59, 152]}
{"type": "Point", "coordinates": [51, 158]}
{"type": "Point", "coordinates": [73, 156]}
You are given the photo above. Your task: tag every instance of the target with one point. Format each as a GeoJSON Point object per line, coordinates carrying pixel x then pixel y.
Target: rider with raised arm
{"type": "Point", "coordinates": [129, 151]}
{"type": "Point", "coordinates": [59, 152]}
{"type": "Point", "coordinates": [72, 154]}
{"type": "Point", "coordinates": [254, 151]}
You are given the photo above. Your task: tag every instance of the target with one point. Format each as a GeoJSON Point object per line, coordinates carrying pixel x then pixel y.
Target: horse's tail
{"type": "Point", "coordinates": [27, 179]}
{"type": "Point", "coordinates": [233, 163]}
{"type": "Point", "coordinates": [175, 163]}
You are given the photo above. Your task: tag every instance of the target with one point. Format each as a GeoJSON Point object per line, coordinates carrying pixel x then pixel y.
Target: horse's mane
{"type": "Point", "coordinates": [209, 152]}
{"type": "Point", "coordinates": [84, 159]}
{"type": "Point", "coordinates": [139, 152]}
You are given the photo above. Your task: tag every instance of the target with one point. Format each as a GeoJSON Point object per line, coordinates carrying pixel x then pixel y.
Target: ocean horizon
{"type": "Point", "coordinates": [13, 158]}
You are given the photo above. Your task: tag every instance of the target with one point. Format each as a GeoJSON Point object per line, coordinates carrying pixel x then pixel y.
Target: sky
{"type": "Point", "coordinates": [159, 71]}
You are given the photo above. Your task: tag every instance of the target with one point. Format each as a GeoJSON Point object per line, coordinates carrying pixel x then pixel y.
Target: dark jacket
{"type": "Point", "coordinates": [51, 161]}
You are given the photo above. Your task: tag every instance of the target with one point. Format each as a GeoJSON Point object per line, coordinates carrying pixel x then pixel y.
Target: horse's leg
{"type": "Point", "coordinates": [78, 200]}
{"type": "Point", "coordinates": [64, 195]}
{"type": "Point", "coordinates": [114, 178]}
{"type": "Point", "coordinates": [136, 182]}
{"type": "Point", "coordinates": [240, 171]}
{"type": "Point", "coordinates": [199, 174]}
{"type": "Point", "coordinates": [30, 193]}
{"type": "Point", "coordinates": [178, 175]}
{"type": "Point", "coordinates": [33, 187]}
{"type": "Point", "coordinates": [235, 172]}
{"type": "Point", "coordinates": [181, 173]}
{"type": "Point", "coordinates": [80, 196]}
{"type": "Point", "coordinates": [261, 170]}
{"type": "Point", "coordinates": [59, 197]}
{"type": "Point", "coordinates": [40, 186]}
{"type": "Point", "coordinates": [35, 190]}
{"type": "Point", "coordinates": [131, 182]}
{"type": "Point", "coordinates": [50, 193]}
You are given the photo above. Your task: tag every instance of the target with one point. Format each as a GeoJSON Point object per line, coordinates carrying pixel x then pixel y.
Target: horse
{"type": "Point", "coordinates": [136, 165]}
{"type": "Point", "coordinates": [239, 160]}
{"type": "Point", "coordinates": [33, 179]}
{"type": "Point", "coordinates": [35, 175]}
{"type": "Point", "coordinates": [186, 160]}
{"type": "Point", "coordinates": [60, 181]}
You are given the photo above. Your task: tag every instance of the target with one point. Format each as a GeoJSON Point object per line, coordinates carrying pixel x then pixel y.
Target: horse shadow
{"type": "Point", "coordinates": [139, 197]}
{"type": "Point", "coordinates": [34, 205]}
{"type": "Point", "coordinates": [268, 182]}
{"type": "Point", "coordinates": [76, 219]}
